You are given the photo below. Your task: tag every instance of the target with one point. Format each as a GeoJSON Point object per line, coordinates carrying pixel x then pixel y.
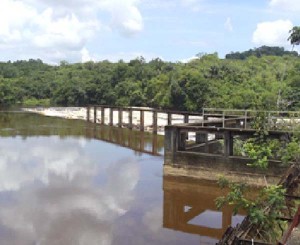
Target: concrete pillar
{"type": "Point", "coordinates": [102, 115]}
{"type": "Point", "coordinates": [169, 118]}
{"type": "Point", "coordinates": [201, 137]}
{"type": "Point", "coordinates": [95, 114]}
{"type": "Point", "coordinates": [154, 122]}
{"type": "Point", "coordinates": [226, 217]}
{"type": "Point", "coordinates": [87, 113]}
{"type": "Point", "coordinates": [111, 117]}
{"type": "Point", "coordinates": [154, 144]}
{"type": "Point", "coordinates": [130, 118]}
{"type": "Point", "coordinates": [186, 118]}
{"type": "Point", "coordinates": [181, 141]}
{"type": "Point", "coordinates": [142, 142]}
{"type": "Point", "coordinates": [228, 143]}
{"type": "Point", "coordinates": [129, 135]}
{"type": "Point", "coordinates": [120, 111]}
{"type": "Point", "coordinates": [142, 120]}
{"type": "Point", "coordinates": [171, 144]}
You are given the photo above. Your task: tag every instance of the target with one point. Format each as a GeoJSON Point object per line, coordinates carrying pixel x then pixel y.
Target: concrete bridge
{"type": "Point", "coordinates": [211, 145]}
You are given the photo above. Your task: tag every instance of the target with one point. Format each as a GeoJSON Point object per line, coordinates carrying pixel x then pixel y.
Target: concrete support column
{"type": "Point", "coordinates": [120, 111]}
{"type": "Point", "coordinates": [154, 122]}
{"type": "Point", "coordinates": [201, 138]}
{"type": "Point", "coordinates": [102, 115]}
{"type": "Point", "coordinates": [169, 118]}
{"type": "Point", "coordinates": [130, 118]}
{"type": "Point", "coordinates": [171, 144]}
{"type": "Point", "coordinates": [142, 120]}
{"type": "Point", "coordinates": [226, 217]}
{"type": "Point", "coordinates": [181, 141]}
{"type": "Point", "coordinates": [95, 114]}
{"type": "Point", "coordinates": [142, 142]}
{"type": "Point", "coordinates": [186, 118]}
{"type": "Point", "coordinates": [111, 117]}
{"type": "Point", "coordinates": [228, 144]}
{"type": "Point", "coordinates": [154, 144]}
{"type": "Point", "coordinates": [87, 113]}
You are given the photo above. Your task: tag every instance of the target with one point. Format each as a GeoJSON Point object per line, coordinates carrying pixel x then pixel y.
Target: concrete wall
{"type": "Point", "coordinates": [211, 166]}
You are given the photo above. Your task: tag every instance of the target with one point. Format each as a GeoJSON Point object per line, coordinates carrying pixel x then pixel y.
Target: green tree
{"type": "Point", "coordinates": [294, 37]}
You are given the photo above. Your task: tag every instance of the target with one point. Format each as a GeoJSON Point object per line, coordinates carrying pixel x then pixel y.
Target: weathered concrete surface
{"type": "Point", "coordinates": [214, 174]}
{"type": "Point", "coordinates": [179, 160]}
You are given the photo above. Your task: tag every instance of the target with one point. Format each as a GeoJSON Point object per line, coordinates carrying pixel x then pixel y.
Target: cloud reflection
{"type": "Point", "coordinates": [55, 198]}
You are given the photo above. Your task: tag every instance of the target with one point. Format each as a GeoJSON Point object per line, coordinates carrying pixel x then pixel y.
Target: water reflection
{"type": "Point", "coordinates": [142, 142]}
{"type": "Point", "coordinates": [54, 196]}
{"type": "Point", "coordinates": [27, 124]}
{"type": "Point", "coordinates": [189, 206]}
{"type": "Point", "coordinates": [61, 185]}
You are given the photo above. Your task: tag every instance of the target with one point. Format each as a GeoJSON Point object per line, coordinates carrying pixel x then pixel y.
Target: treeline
{"type": "Point", "coordinates": [259, 52]}
{"type": "Point", "coordinates": [270, 82]}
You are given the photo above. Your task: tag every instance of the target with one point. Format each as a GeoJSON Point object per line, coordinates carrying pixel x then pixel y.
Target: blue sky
{"type": "Point", "coordinates": [173, 30]}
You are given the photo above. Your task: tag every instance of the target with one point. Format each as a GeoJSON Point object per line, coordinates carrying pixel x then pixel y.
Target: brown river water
{"type": "Point", "coordinates": [68, 182]}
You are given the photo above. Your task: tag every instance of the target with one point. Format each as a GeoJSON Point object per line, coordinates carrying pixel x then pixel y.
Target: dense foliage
{"type": "Point", "coordinates": [259, 52]}
{"type": "Point", "coordinates": [268, 80]}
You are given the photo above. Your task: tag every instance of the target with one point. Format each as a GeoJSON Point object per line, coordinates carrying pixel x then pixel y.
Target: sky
{"type": "Point", "coordinates": [172, 30]}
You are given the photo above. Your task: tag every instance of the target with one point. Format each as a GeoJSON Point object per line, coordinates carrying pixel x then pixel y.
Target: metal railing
{"type": "Point", "coordinates": [276, 120]}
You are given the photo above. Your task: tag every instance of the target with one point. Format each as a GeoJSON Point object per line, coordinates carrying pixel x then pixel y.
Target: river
{"type": "Point", "coordinates": [70, 182]}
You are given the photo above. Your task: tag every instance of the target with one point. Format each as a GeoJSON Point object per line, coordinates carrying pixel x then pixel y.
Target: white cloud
{"type": "Point", "coordinates": [12, 24]}
{"type": "Point", "coordinates": [272, 33]}
{"type": "Point", "coordinates": [127, 56]}
{"type": "Point", "coordinates": [228, 25]}
{"type": "Point", "coordinates": [55, 184]}
{"type": "Point", "coordinates": [55, 30]}
{"type": "Point", "coordinates": [126, 17]}
{"type": "Point", "coordinates": [85, 55]}
{"type": "Point", "coordinates": [67, 32]}
{"type": "Point", "coordinates": [288, 5]}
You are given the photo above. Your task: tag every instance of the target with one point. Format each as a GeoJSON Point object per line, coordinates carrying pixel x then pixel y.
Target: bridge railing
{"type": "Point", "coordinates": [156, 119]}
{"type": "Point", "coordinates": [276, 120]}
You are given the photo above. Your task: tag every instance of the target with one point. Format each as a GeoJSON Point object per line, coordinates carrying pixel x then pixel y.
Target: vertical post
{"type": "Point", "coordinates": [88, 113]}
{"type": "Point", "coordinates": [142, 142]}
{"type": "Point", "coordinates": [181, 141]}
{"type": "Point", "coordinates": [154, 122]}
{"type": "Point", "coordinates": [120, 116]}
{"type": "Point", "coordinates": [129, 139]}
{"type": "Point", "coordinates": [205, 117]}
{"type": "Point", "coordinates": [246, 115]}
{"type": "Point", "coordinates": [111, 116]}
{"type": "Point", "coordinates": [169, 118]}
{"type": "Point", "coordinates": [142, 120]}
{"type": "Point", "coordinates": [226, 217]}
{"type": "Point", "coordinates": [130, 118]}
{"type": "Point", "coordinates": [186, 118]}
{"type": "Point", "coordinates": [170, 144]}
{"type": "Point", "coordinates": [154, 144]}
{"type": "Point", "coordinates": [95, 114]}
{"type": "Point", "coordinates": [228, 143]}
{"type": "Point", "coordinates": [102, 115]}
{"type": "Point", "coordinates": [110, 135]}
{"type": "Point", "coordinates": [202, 138]}
{"type": "Point", "coordinates": [223, 119]}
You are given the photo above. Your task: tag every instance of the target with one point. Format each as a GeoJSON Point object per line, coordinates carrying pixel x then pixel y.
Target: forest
{"type": "Point", "coordinates": [265, 78]}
